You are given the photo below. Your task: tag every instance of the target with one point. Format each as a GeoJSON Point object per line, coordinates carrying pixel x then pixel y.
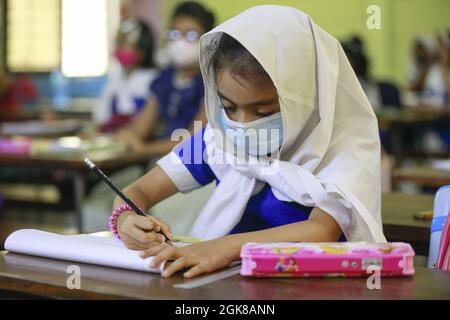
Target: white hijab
{"type": "Point", "coordinates": [331, 151]}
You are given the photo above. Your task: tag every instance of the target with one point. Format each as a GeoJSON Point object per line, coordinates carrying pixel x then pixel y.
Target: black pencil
{"type": "Point", "coordinates": [127, 200]}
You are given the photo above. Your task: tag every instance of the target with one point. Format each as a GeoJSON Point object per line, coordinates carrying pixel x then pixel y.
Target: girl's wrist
{"type": "Point", "coordinates": [122, 218]}
{"type": "Point", "coordinates": [235, 242]}
{"type": "Point", "coordinates": [118, 212]}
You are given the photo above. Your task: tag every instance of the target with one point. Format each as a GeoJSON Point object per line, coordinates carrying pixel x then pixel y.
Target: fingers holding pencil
{"type": "Point", "coordinates": [138, 226]}
{"type": "Point", "coordinates": [138, 231]}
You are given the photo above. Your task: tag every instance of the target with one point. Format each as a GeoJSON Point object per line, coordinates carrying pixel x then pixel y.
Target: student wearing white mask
{"type": "Point", "coordinates": [178, 90]}
{"type": "Point", "coordinates": [313, 172]}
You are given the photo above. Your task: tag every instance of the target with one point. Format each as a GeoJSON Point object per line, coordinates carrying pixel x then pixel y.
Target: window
{"type": "Point", "coordinates": [73, 35]}
{"type": "Point", "coordinates": [32, 35]}
{"type": "Point", "coordinates": [84, 41]}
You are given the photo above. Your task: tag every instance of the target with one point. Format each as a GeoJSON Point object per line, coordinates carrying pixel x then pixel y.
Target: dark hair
{"type": "Point", "coordinates": [354, 49]}
{"type": "Point", "coordinates": [228, 53]}
{"type": "Point", "coordinates": [142, 38]}
{"type": "Point", "coordinates": [195, 10]}
{"type": "Point", "coordinates": [146, 44]}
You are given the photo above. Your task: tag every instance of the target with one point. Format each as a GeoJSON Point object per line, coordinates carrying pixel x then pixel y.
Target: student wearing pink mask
{"type": "Point", "coordinates": [126, 91]}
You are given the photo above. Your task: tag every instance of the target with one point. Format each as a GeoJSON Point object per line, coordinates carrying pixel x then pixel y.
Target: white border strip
{"type": "Point", "coordinates": [209, 279]}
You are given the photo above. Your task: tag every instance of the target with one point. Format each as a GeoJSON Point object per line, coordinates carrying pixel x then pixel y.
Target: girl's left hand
{"type": "Point", "coordinates": [201, 257]}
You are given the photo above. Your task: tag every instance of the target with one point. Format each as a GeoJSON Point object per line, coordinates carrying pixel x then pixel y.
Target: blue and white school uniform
{"type": "Point", "coordinates": [124, 94]}
{"type": "Point", "coordinates": [263, 210]}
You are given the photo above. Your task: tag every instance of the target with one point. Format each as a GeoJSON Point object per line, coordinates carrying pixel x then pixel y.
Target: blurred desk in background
{"type": "Point", "coordinates": [423, 176]}
{"type": "Point", "coordinates": [398, 211]}
{"type": "Point", "coordinates": [73, 165]}
{"type": "Point", "coordinates": [40, 128]}
{"type": "Point", "coordinates": [79, 108]}
{"type": "Point", "coordinates": [407, 116]}
{"type": "Point", "coordinates": [18, 116]}
{"type": "Point", "coordinates": [396, 121]}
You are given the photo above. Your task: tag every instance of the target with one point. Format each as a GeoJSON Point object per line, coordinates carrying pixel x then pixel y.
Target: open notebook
{"type": "Point", "coordinates": [83, 248]}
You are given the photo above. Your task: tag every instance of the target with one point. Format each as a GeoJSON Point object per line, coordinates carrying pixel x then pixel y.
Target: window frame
{"type": "Point", "coordinates": [5, 46]}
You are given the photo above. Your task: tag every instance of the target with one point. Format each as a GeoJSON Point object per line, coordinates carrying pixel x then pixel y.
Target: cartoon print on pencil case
{"type": "Point", "coordinates": [328, 248]}
{"type": "Point", "coordinates": [302, 248]}
{"type": "Point", "coordinates": [383, 248]}
{"type": "Point", "coordinates": [286, 250]}
{"type": "Point", "coordinates": [291, 265]}
{"type": "Point", "coordinates": [280, 264]}
{"type": "Point", "coordinates": [386, 248]}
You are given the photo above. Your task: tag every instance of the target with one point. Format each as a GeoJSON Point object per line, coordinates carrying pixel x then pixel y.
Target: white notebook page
{"type": "Point", "coordinates": [81, 248]}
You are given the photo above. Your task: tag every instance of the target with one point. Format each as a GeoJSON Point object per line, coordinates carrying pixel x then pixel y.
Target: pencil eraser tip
{"type": "Point", "coordinates": [89, 162]}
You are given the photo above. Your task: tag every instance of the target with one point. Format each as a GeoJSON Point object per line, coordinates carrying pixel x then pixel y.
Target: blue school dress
{"type": "Point", "coordinates": [179, 103]}
{"type": "Point", "coordinates": [263, 210]}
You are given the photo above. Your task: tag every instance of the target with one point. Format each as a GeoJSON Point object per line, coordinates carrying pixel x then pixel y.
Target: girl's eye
{"type": "Point", "coordinates": [264, 114]}
{"type": "Point", "coordinates": [229, 109]}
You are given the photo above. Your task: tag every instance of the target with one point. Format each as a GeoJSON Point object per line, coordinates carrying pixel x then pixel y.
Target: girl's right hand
{"type": "Point", "coordinates": [141, 233]}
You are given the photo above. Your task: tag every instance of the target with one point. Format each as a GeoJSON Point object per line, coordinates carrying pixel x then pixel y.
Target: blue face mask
{"type": "Point", "coordinates": [259, 137]}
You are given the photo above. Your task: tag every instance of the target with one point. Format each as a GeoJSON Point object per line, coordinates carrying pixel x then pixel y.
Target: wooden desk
{"type": "Point", "coordinates": [411, 116]}
{"type": "Point", "coordinates": [423, 176]}
{"type": "Point", "coordinates": [76, 168]}
{"type": "Point", "coordinates": [18, 116]}
{"type": "Point", "coordinates": [54, 128]}
{"type": "Point", "coordinates": [424, 117]}
{"type": "Point", "coordinates": [46, 277]}
{"type": "Point", "coordinates": [80, 108]}
{"type": "Point", "coordinates": [398, 210]}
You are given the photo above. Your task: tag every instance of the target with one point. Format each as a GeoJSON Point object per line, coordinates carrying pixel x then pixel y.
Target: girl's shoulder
{"type": "Point", "coordinates": [145, 74]}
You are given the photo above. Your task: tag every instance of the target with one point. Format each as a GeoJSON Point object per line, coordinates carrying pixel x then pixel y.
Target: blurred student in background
{"type": "Point", "coordinates": [422, 51]}
{"type": "Point", "coordinates": [379, 93]}
{"type": "Point", "coordinates": [177, 93]}
{"type": "Point", "coordinates": [441, 84]}
{"type": "Point", "coordinates": [429, 70]}
{"type": "Point", "coordinates": [15, 92]}
{"type": "Point", "coordinates": [437, 84]}
{"type": "Point", "coordinates": [176, 101]}
{"type": "Point", "coordinates": [354, 49]}
{"type": "Point", "coordinates": [126, 91]}
{"type": "Point", "coordinates": [429, 81]}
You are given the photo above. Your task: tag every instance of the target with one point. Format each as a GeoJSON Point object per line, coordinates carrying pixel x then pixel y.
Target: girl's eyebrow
{"type": "Point", "coordinates": [222, 96]}
{"type": "Point", "coordinates": [256, 103]}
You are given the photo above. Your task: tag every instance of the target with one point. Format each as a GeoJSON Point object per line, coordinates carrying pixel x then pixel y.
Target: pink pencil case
{"type": "Point", "coordinates": [337, 259]}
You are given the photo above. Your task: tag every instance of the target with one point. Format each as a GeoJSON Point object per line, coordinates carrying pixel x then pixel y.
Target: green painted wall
{"type": "Point", "coordinates": [388, 48]}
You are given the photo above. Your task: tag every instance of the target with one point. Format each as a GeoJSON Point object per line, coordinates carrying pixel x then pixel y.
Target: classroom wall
{"type": "Point", "coordinates": [149, 11]}
{"type": "Point", "coordinates": [388, 48]}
